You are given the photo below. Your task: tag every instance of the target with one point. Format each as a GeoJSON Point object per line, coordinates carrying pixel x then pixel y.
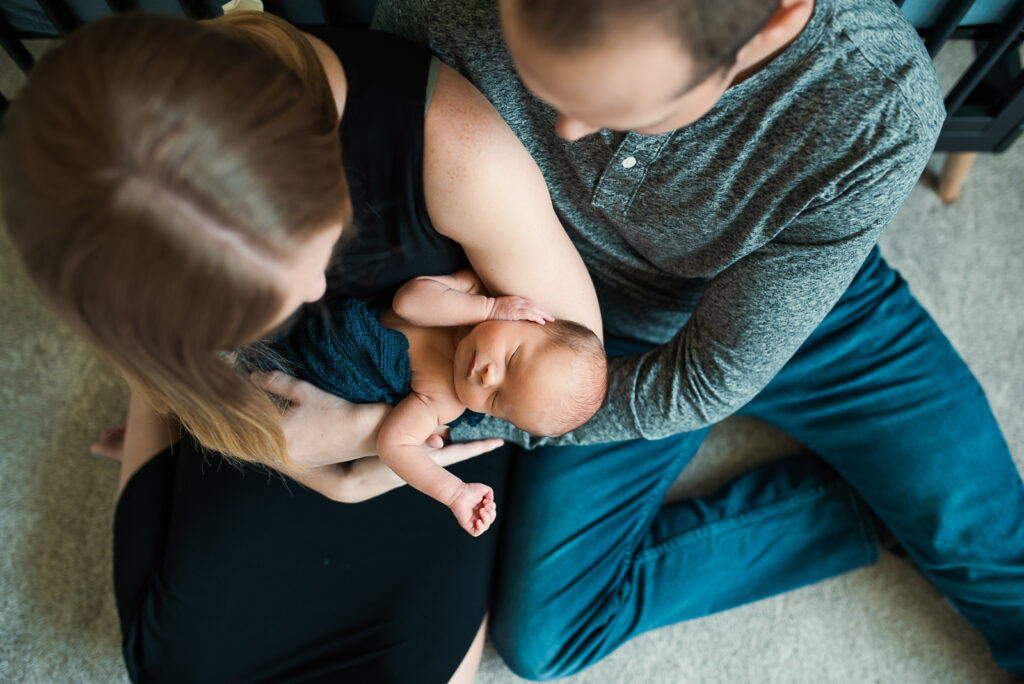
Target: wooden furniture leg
{"type": "Point", "coordinates": [954, 171]}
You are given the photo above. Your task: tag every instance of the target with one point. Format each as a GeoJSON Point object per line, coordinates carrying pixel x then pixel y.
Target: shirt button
{"type": "Point", "coordinates": [629, 162]}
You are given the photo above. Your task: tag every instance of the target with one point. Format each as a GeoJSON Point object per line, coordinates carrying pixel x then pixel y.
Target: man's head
{"type": "Point", "coordinates": [545, 379]}
{"type": "Point", "coordinates": [649, 66]}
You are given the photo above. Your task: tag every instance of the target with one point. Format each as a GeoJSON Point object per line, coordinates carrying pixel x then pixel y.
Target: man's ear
{"type": "Point", "coordinates": [784, 25]}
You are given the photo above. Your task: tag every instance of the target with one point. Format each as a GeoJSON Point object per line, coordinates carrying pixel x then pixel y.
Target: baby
{"type": "Point", "coordinates": [442, 348]}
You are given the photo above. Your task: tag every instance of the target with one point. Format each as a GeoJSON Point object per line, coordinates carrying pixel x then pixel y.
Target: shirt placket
{"type": "Point", "coordinates": [626, 170]}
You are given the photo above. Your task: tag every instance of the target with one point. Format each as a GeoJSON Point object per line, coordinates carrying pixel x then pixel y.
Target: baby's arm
{"type": "Point", "coordinates": [401, 446]}
{"type": "Point", "coordinates": [460, 299]}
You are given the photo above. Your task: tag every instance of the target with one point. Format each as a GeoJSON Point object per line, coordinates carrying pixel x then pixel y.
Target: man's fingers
{"type": "Point", "coordinates": [276, 382]}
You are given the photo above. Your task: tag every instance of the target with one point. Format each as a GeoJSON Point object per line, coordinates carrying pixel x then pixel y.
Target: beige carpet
{"type": "Point", "coordinates": [880, 624]}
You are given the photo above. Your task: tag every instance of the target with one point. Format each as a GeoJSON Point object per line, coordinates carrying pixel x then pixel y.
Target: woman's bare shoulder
{"type": "Point", "coordinates": [461, 117]}
{"type": "Point", "coordinates": [147, 433]}
{"type": "Point", "coordinates": [334, 69]}
{"type": "Point", "coordinates": [469, 152]}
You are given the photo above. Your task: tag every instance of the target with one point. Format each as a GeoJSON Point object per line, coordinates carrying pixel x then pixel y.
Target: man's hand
{"type": "Point", "coordinates": [515, 308]}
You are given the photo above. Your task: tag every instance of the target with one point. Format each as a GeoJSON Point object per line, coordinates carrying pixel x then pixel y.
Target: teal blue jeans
{"type": "Point", "coordinates": [590, 556]}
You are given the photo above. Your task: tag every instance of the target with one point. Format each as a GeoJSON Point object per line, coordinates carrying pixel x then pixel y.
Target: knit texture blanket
{"type": "Point", "coordinates": [341, 347]}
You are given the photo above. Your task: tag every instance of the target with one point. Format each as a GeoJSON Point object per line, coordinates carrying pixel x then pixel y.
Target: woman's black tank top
{"type": "Point", "coordinates": [391, 239]}
{"type": "Point", "coordinates": [309, 590]}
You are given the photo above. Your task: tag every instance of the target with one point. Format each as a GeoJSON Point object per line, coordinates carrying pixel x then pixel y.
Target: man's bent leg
{"type": "Point", "coordinates": [590, 557]}
{"type": "Point", "coordinates": [880, 393]}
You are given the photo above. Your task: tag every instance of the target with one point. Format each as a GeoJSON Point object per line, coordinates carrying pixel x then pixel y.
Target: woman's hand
{"type": "Point", "coordinates": [366, 478]}
{"type": "Point", "coordinates": [320, 428]}
{"type": "Point", "coordinates": [335, 441]}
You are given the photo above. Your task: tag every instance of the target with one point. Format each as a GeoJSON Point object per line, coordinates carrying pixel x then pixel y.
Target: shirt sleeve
{"type": "Point", "coordinates": [754, 315]}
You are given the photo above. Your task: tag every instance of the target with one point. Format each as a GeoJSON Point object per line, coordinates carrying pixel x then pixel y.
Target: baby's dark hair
{"type": "Point", "coordinates": [590, 374]}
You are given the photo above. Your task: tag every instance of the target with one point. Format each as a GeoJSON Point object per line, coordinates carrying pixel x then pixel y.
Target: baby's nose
{"type": "Point", "coordinates": [490, 375]}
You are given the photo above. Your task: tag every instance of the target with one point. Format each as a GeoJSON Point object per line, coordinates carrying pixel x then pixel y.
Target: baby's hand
{"type": "Point", "coordinates": [515, 308]}
{"type": "Point", "coordinates": [474, 508]}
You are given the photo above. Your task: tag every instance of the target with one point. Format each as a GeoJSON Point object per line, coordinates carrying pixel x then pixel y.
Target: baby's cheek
{"type": "Point", "coordinates": [470, 398]}
{"type": "Point", "coordinates": [479, 405]}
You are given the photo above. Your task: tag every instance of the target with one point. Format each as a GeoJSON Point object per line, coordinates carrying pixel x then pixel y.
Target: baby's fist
{"type": "Point", "coordinates": [474, 508]}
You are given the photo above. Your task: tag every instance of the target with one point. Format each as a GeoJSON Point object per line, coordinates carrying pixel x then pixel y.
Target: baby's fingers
{"type": "Point", "coordinates": [544, 315]}
{"type": "Point", "coordinates": [481, 525]}
{"type": "Point", "coordinates": [528, 311]}
{"type": "Point", "coordinates": [488, 514]}
{"type": "Point", "coordinates": [537, 316]}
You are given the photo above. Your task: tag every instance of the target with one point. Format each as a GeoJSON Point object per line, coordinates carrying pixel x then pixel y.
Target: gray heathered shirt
{"type": "Point", "coordinates": [729, 240]}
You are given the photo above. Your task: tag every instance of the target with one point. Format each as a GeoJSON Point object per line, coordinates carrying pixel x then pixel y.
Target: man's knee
{"type": "Point", "coordinates": [522, 655]}
{"type": "Point", "coordinates": [530, 650]}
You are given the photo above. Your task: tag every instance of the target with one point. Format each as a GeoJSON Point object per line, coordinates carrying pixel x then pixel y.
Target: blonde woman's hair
{"type": "Point", "coordinates": [153, 169]}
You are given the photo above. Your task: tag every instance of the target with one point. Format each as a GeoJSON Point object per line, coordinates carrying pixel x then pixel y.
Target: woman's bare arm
{"type": "Point", "coordinates": [369, 477]}
{"type": "Point", "coordinates": [357, 478]}
{"type": "Point", "coordinates": [484, 191]}
{"type": "Point", "coordinates": [147, 433]}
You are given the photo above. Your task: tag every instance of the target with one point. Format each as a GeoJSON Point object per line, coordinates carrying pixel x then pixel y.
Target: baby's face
{"type": "Point", "coordinates": [511, 370]}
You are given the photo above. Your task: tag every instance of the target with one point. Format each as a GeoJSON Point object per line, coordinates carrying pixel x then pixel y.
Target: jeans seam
{"type": "Point", "coordinates": [631, 550]}
{"type": "Point", "coordinates": [868, 533]}
{"type": "Point", "coordinates": [629, 556]}
{"type": "Point", "coordinates": [735, 522]}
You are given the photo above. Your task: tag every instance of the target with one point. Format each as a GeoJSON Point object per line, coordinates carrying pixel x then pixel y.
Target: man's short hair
{"type": "Point", "coordinates": [711, 31]}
